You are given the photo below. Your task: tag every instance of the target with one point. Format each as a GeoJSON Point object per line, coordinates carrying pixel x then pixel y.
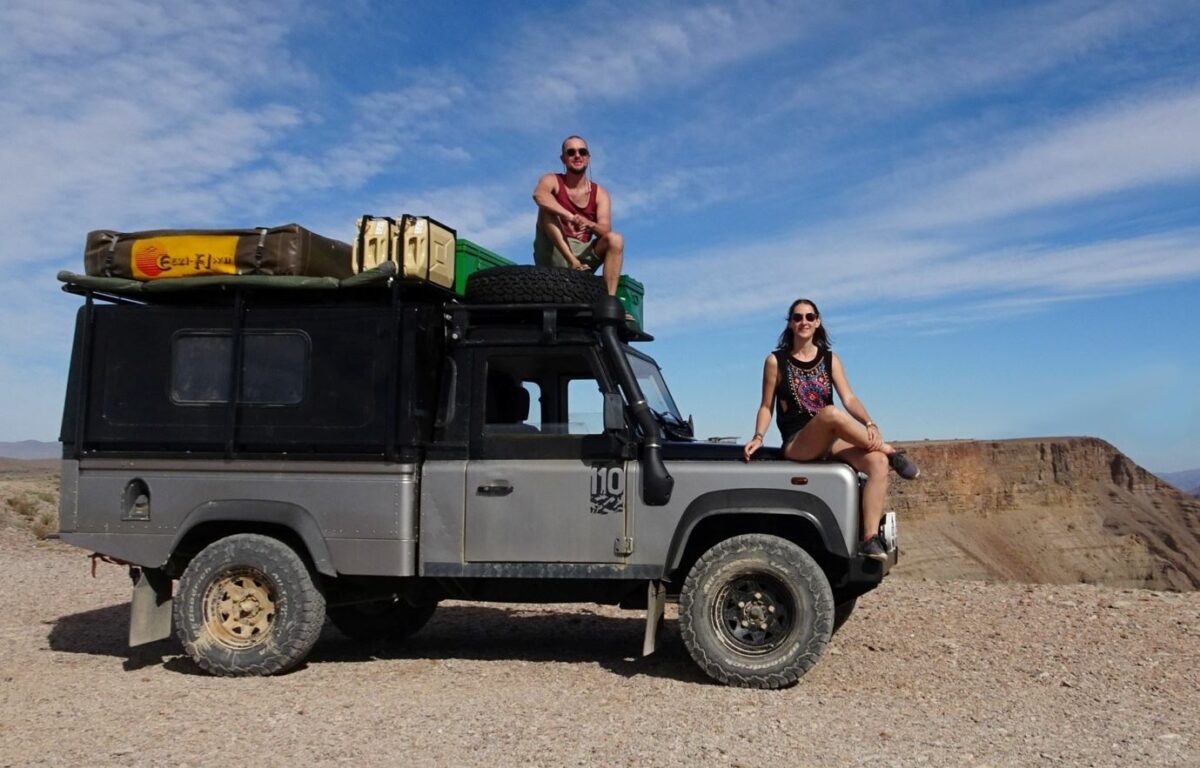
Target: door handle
{"type": "Point", "coordinates": [497, 489]}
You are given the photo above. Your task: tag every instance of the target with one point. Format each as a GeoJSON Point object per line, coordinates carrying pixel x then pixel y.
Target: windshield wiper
{"type": "Point", "coordinates": [675, 427]}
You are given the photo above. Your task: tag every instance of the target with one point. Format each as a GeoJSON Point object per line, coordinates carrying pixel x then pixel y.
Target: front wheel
{"type": "Point", "coordinates": [842, 611]}
{"type": "Point", "coordinates": [756, 611]}
{"type": "Point", "coordinates": [247, 605]}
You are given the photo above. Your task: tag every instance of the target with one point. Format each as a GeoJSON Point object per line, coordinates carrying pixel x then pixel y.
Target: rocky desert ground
{"type": "Point", "coordinates": [976, 670]}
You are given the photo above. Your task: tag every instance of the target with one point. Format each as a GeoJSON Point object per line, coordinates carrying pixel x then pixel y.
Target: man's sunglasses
{"type": "Point", "coordinates": [583, 152]}
{"type": "Point", "coordinates": [809, 316]}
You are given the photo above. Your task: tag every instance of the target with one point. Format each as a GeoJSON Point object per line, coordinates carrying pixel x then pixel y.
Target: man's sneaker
{"type": "Point", "coordinates": [904, 466]}
{"type": "Point", "coordinates": [873, 548]}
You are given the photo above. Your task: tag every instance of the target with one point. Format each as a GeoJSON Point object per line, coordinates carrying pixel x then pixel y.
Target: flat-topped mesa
{"type": "Point", "coordinates": [1053, 509]}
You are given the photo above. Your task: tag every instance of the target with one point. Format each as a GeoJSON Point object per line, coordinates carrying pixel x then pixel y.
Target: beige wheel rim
{"type": "Point", "coordinates": [239, 608]}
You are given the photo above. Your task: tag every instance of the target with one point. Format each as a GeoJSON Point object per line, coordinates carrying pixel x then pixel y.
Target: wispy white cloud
{"type": "Point", "coordinates": [1119, 148]}
{"type": "Point", "coordinates": [127, 113]}
{"type": "Point", "coordinates": [140, 114]}
{"type": "Point", "coordinates": [996, 47]}
{"type": "Point", "coordinates": [926, 235]}
{"type": "Point", "coordinates": [879, 269]}
{"type": "Point", "coordinates": [953, 315]}
{"type": "Point", "coordinates": [681, 190]}
{"type": "Point", "coordinates": [625, 51]}
{"type": "Point", "coordinates": [390, 133]}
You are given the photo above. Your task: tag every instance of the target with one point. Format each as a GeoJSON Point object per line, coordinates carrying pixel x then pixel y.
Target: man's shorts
{"type": "Point", "coordinates": [546, 255]}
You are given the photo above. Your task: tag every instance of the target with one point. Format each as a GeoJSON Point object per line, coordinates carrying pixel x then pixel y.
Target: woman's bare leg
{"type": "Point", "coordinates": [874, 464]}
{"type": "Point", "coordinates": [812, 442]}
{"type": "Point", "coordinates": [835, 432]}
{"type": "Point", "coordinates": [818, 436]}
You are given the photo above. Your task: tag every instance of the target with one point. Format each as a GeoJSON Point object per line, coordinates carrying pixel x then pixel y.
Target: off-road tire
{"type": "Point", "coordinates": [527, 284]}
{"type": "Point", "coordinates": [385, 620]}
{"type": "Point", "coordinates": [742, 579]}
{"type": "Point", "coordinates": [842, 611]}
{"type": "Point", "coordinates": [247, 605]}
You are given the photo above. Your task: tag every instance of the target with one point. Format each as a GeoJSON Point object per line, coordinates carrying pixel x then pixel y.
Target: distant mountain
{"type": "Point", "coordinates": [1187, 481]}
{"type": "Point", "coordinates": [30, 449]}
{"type": "Point", "coordinates": [1044, 510]}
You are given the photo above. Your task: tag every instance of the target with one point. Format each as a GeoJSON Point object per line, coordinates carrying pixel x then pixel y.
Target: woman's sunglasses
{"type": "Point", "coordinates": [809, 316]}
{"type": "Point", "coordinates": [572, 152]}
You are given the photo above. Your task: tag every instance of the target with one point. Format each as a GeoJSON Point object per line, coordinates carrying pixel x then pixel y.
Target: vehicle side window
{"type": "Point", "coordinates": [506, 408]}
{"type": "Point", "coordinates": [553, 392]}
{"type": "Point", "coordinates": [274, 370]}
{"type": "Point", "coordinates": [585, 407]}
{"type": "Point", "coordinates": [535, 398]}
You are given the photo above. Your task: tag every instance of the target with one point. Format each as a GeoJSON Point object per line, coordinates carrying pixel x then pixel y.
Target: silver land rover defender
{"type": "Point", "coordinates": [268, 452]}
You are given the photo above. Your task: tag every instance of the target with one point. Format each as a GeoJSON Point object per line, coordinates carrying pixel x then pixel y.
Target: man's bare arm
{"type": "Point", "coordinates": [548, 223]}
{"type": "Point", "coordinates": [543, 195]}
{"type": "Point", "coordinates": [603, 223]}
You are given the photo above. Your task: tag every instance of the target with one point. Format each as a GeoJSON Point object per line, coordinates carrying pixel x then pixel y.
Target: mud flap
{"type": "Point", "coordinates": [150, 608]}
{"type": "Point", "coordinates": [656, 600]}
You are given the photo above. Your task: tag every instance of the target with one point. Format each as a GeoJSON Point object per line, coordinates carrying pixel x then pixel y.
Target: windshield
{"type": "Point", "coordinates": [654, 389]}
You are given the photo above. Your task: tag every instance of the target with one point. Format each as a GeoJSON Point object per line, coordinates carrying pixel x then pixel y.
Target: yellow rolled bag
{"type": "Point", "coordinates": [169, 253]}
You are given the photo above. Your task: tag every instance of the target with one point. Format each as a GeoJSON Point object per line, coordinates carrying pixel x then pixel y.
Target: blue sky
{"type": "Point", "coordinates": [997, 206]}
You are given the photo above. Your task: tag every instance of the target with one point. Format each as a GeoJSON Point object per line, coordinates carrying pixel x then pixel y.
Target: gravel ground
{"type": "Point", "coordinates": [924, 673]}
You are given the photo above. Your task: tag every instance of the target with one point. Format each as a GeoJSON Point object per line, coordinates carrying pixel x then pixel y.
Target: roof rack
{"type": "Point", "coordinates": [549, 318]}
{"type": "Point", "coordinates": [377, 284]}
{"type": "Point", "coordinates": [221, 289]}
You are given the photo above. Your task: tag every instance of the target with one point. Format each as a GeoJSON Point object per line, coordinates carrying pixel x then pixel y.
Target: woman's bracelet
{"type": "Point", "coordinates": [872, 424]}
{"type": "Point", "coordinates": [758, 435]}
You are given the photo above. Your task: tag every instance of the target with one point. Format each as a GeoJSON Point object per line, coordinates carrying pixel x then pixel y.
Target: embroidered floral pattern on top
{"type": "Point", "coordinates": [811, 387]}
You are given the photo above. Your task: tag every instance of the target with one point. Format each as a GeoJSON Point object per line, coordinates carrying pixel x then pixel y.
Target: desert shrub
{"type": "Point", "coordinates": [34, 511]}
{"type": "Point", "coordinates": [23, 505]}
{"type": "Point", "coordinates": [45, 524]}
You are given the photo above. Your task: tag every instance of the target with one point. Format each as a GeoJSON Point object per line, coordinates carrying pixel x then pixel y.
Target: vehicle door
{"type": "Point", "coordinates": [545, 482]}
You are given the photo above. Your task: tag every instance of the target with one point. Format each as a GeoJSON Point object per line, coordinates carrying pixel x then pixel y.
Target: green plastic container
{"type": "Point", "coordinates": [469, 258]}
{"type": "Point", "coordinates": [633, 295]}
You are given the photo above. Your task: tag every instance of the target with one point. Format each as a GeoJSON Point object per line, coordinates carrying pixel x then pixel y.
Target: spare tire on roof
{"type": "Point", "coordinates": [528, 284]}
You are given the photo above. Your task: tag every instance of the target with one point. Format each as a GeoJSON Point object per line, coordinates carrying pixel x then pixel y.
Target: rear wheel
{"type": "Point", "coordinates": [247, 605]}
{"type": "Point", "coordinates": [393, 619]}
{"type": "Point", "coordinates": [756, 611]}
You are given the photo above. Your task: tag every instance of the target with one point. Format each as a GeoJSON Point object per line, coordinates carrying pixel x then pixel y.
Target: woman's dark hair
{"type": "Point", "coordinates": [820, 337]}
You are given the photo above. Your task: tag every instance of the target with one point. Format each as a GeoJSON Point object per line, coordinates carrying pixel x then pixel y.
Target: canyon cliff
{"type": "Point", "coordinates": [1044, 510]}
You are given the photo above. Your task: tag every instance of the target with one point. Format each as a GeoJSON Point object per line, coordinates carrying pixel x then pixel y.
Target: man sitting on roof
{"type": "Point", "coordinates": [574, 227]}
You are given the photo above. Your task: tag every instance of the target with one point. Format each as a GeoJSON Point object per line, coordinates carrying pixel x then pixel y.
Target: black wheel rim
{"type": "Point", "coordinates": [755, 613]}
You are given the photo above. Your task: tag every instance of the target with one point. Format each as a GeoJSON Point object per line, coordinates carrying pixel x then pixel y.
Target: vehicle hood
{"type": "Point", "coordinates": [704, 451]}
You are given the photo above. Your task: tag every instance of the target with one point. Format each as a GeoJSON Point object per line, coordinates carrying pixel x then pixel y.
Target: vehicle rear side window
{"type": "Point", "coordinates": [274, 369]}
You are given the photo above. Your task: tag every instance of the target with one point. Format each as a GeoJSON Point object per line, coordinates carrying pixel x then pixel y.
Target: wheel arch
{"type": "Point", "coordinates": [289, 523]}
{"type": "Point", "coordinates": [802, 518]}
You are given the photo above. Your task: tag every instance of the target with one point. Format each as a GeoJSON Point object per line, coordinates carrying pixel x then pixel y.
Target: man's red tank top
{"type": "Point", "coordinates": [588, 211]}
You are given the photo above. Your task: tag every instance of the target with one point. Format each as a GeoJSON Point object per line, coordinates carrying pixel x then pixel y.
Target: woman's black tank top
{"type": "Point", "coordinates": [802, 389]}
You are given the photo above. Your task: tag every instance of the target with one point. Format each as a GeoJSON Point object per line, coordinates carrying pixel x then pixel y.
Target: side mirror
{"type": "Point", "coordinates": [614, 412]}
